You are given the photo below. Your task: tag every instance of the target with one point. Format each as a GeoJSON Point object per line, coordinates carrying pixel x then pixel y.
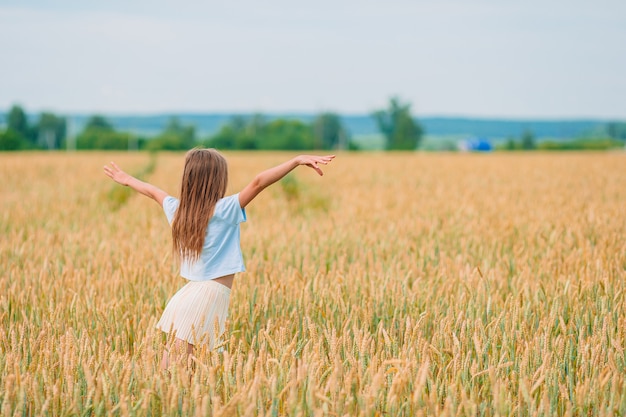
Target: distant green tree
{"type": "Point", "coordinates": [10, 140]}
{"type": "Point", "coordinates": [100, 123]}
{"type": "Point", "coordinates": [510, 144]}
{"type": "Point", "coordinates": [616, 130]}
{"type": "Point", "coordinates": [254, 127]}
{"type": "Point", "coordinates": [528, 140]}
{"type": "Point", "coordinates": [100, 134]}
{"type": "Point", "coordinates": [401, 131]}
{"type": "Point", "coordinates": [18, 122]}
{"type": "Point", "coordinates": [238, 123]}
{"type": "Point", "coordinates": [238, 133]}
{"type": "Point", "coordinates": [175, 127]}
{"type": "Point", "coordinates": [224, 139]}
{"type": "Point", "coordinates": [104, 140]}
{"type": "Point", "coordinates": [329, 132]}
{"type": "Point", "coordinates": [283, 134]}
{"type": "Point", "coordinates": [175, 137]}
{"type": "Point", "coordinates": [51, 130]}
{"type": "Point", "coordinates": [255, 133]}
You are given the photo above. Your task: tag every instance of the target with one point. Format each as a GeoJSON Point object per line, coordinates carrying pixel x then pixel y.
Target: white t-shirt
{"type": "Point", "coordinates": [221, 252]}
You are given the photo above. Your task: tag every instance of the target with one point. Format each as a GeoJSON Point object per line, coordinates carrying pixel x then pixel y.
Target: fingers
{"type": "Point", "coordinates": [112, 170]}
{"type": "Point", "coordinates": [313, 160]}
{"type": "Point", "coordinates": [316, 168]}
{"type": "Point", "coordinates": [319, 159]}
{"type": "Point", "coordinates": [324, 159]}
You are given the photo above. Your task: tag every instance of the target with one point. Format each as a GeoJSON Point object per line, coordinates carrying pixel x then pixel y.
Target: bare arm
{"type": "Point", "coordinates": [270, 176]}
{"type": "Point", "coordinates": [121, 177]}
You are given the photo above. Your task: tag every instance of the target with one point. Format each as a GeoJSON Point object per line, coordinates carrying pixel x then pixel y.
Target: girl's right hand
{"type": "Point", "coordinates": [116, 174]}
{"type": "Point", "coordinates": [313, 161]}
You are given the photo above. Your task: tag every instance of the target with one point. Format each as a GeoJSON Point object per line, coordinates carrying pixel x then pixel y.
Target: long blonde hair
{"type": "Point", "coordinates": [204, 182]}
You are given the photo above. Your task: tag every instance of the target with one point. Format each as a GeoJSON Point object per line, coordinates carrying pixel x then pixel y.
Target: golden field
{"type": "Point", "coordinates": [395, 285]}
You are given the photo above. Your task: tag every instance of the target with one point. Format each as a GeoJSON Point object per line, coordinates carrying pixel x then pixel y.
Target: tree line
{"type": "Point", "coordinates": [614, 136]}
{"type": "Point", "coordinates": [48, 132]}
{"type": "Point", "coordinates": [401, 131]}
{"type": "Point", "coordinates": [325, 132]}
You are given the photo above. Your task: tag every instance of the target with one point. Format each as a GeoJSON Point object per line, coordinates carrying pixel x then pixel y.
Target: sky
{"type": "Point", "coordinates": [475, 58]}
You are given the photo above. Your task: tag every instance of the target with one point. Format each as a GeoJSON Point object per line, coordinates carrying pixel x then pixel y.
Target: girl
{"type": "Point", "coordinates": [205, 233]}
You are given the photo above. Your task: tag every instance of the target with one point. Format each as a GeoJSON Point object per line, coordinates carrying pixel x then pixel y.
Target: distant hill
{"type": "Point", "coordinates": [361, 125]}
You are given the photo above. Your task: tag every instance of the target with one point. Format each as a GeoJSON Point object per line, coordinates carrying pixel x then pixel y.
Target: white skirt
{"type": "Point", "coordinates": [197, 312]}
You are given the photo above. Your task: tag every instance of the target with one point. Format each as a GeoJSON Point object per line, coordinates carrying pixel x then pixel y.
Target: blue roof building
{"type": "Point", "coordinates": [476, 144]}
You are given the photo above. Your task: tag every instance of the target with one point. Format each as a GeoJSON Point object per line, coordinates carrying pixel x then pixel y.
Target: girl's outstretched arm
{"type": "Point", "coordinates": [121, 177]}
{"type": "Point", "coordinates": [270, 176]}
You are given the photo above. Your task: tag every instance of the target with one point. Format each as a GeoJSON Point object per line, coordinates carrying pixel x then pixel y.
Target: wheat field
{"type": "Point", "coordinates": [395, 285]}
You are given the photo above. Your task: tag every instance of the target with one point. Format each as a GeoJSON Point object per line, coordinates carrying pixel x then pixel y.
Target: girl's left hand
{"type": "Point", "coordinates": [116, 174]}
